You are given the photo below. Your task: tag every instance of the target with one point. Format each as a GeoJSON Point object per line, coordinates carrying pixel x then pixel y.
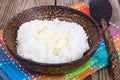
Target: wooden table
{"type": "Point", "coordinates": [8, 8]}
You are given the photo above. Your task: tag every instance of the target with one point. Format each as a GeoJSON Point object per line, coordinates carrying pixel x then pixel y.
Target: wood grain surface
{"type": "Point", "coordinates": [9, 8]}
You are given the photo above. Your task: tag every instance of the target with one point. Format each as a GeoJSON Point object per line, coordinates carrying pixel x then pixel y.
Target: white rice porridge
{"type": "Point", "coordinates": [52, 41]}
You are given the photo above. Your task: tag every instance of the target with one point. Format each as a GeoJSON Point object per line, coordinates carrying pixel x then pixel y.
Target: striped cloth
{"type": "Point", "coordinates": [10, 69]}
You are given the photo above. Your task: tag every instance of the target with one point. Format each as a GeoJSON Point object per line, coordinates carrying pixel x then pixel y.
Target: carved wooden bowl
{"type": "Point", "coordinates": [49, 13]}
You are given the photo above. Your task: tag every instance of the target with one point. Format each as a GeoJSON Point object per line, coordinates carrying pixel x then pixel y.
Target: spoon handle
{"type": "Point", "coordinates": [115, 65]}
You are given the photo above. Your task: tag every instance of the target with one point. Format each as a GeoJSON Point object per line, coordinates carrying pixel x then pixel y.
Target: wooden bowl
{"type": "Point", "coordinates": [49, 13]}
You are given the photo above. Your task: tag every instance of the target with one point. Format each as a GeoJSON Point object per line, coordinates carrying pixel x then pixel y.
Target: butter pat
{"type": "Point", "coordinates": [46, 33]}
{"type": "Point", "coordinates": [60, 44]}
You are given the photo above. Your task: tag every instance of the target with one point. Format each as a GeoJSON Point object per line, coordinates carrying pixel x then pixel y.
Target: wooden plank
{"type": "Point", "coordinates": [104, 74]}
{"type": "Point", "coordinates": [8, 8]}
{"type": "Point", "coordinates": [67, 2]}
{"type": "Point", "coordinates": [70, 2]}
{"type": "Point", "coordinates": [116, 11]}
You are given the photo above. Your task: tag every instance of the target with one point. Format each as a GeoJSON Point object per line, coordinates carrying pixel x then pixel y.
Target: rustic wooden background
{"type": "Point", "coordinates": [8, 8]}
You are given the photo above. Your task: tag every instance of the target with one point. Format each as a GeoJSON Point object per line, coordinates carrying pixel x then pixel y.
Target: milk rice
{"type": "Point", "coordinates": [52, 41]}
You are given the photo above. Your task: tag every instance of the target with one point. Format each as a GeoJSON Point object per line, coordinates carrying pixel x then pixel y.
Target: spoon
{"type": "Point", "coordinates": [101, 11]}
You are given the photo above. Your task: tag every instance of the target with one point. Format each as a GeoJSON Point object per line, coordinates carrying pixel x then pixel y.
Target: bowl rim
{"type": "Point", "coordinates": [91, 50]}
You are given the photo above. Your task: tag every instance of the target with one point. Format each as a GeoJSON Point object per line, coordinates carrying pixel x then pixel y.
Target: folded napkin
{"type": "Point", "coordinates": [10, 69]}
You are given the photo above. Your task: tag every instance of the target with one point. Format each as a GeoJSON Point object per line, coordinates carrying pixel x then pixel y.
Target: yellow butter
{"type": "Point", "coordinates": [60, 44]}
{"type": "Point", "coordinates": [46, 33]}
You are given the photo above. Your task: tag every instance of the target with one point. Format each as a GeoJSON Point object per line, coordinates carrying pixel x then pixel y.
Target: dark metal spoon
{"type": "Point", "coordinates": [101, 11]}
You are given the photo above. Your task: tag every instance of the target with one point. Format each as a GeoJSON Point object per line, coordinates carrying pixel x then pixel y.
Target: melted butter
{"type": "Point", "coordinates": [46, 33]}
{"type": "Point", "coordinates": [60, 44]}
